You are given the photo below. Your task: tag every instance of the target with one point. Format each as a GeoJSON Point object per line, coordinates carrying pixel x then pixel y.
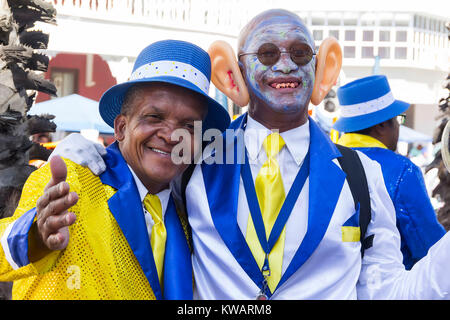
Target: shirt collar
{"type": "Point", "coordinates": [356, 140]}
{"type": "Point", "coordinates": [296, 139]}
{"type": "Point", "coordinates": [162, 195]}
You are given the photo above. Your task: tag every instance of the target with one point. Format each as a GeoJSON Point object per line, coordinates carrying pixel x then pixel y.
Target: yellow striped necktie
{"type": "Point", "coordinates": [270, 192]}
{"type": "Point", "coordinates": [159, 235]}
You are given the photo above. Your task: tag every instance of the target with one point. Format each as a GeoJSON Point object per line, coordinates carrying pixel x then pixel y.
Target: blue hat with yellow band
{"type": "Point", "coordinates": [170, 61]}
{"type": "Point", "coordinates": [366, 102]}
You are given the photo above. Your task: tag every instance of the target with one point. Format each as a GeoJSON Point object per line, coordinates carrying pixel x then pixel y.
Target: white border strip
{"type": "Point", "coordinates": [173, 69]}
{"type": "Point", "coordinates": [367, 107]}
{"type": "Point", "coordinates": [6, 249]}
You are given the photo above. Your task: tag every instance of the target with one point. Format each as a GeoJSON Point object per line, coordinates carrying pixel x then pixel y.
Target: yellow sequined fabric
{"type": "Point", "coordinates": [97, 263]}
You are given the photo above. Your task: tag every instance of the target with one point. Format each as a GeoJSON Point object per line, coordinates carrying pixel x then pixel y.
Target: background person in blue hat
{"type": "Point", "coordinates": [75, 235]}
{"type": "Point", "coordinates": [371, 120]}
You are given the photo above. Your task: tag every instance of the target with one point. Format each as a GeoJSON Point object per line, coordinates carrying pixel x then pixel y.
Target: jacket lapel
{"type": "Point", "coordinates": [325, 184]}
{"type": "Point", "coordinates": [126, 207]}
{"type": "Point", "coordinates": [223, 203]}
{"type": "Point", "coordinates": [177, 258]}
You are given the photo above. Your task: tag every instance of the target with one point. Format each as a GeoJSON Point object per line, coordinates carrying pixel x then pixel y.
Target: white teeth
{"type": "Point", "coordinates": [285, 85]}
{"type": "Point", "coordinates": [159, 151]}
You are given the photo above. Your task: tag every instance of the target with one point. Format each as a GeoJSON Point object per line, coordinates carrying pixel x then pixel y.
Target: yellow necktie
{"type": "Point", "coordinates": [270, 192]}
{"type": "Point", "coordinates": [158, 238]}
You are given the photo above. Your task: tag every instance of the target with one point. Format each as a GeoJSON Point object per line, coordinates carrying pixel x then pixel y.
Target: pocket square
{"type": "Point", "coordinates": [350, 229]}
{"type": "Point", "coordinates": [351, 234]}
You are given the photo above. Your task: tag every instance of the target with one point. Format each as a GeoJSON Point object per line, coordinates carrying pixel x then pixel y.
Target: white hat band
{"type": "Point", "coordinates": [367, 107]}
{"type": "Point", "coordinates": [172, 69]}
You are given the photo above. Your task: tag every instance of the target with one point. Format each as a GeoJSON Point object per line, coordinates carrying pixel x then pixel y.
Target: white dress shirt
{"type": "Point", "coordinates": [162, 195]}
{"type": "Point", "coordinates": [290, 159]}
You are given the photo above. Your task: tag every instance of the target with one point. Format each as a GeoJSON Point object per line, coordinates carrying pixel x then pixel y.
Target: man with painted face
{"type": "Point", "coordinates": [272, 216]}
{"type": "Point", "coordinates": [284, 225]}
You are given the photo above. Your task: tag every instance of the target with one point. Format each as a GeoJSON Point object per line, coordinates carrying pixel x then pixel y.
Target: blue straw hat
{"type": "Point", "coordinates": [170, 61]}
{"type": "Point", "coordinates": [366, 102]}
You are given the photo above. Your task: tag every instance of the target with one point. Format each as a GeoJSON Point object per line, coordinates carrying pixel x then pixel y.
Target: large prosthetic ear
{"type": "Point", "coordinates": [225, 73]}
{"type": "Point", "coordinates": [328, 67]}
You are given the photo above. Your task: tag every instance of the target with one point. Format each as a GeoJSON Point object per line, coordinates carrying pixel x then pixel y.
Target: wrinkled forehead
{"type": "Point", "coordinates": [275, 29]}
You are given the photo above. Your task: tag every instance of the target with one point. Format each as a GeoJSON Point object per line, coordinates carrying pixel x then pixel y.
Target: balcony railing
{"type": "Point", "coordinates": [216, 16]}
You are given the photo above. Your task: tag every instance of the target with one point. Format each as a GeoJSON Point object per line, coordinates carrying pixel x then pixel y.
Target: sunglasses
{"type": "Point", "coordinates": [268, 54]}
{"type": "Point", "coordinates": [401, 118]}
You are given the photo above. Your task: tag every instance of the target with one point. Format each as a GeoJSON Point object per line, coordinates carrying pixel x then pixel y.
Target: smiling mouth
{"type": "Point", "coordinates": [160, 151]}
{"type": "Point", "coordinates": [284, 83]}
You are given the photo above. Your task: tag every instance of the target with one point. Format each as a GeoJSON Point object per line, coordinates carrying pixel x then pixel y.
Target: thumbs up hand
{"type": "Point", "coordinates": [53, 219]}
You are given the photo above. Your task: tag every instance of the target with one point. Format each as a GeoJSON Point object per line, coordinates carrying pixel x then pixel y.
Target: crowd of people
{"type": "Point", "coordinates": [264, 207]}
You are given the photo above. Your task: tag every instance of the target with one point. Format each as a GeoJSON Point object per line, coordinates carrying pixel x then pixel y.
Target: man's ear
{"type": "Point", "coordinates": [328, 67]}
{"type": "Point", "coordinates": [225, 73]}
{"type": "Point", "coordinates": [119, 127]}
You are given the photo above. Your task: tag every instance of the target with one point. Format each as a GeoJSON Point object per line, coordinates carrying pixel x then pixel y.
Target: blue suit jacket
{"type": "Point", "coordinates": [416, 219]}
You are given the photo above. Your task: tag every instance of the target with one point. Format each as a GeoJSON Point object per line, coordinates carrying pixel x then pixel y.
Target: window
{"type": "Point", "coordinates": [385, 36]}
{"type": "Point", "coordinates": [317, 34]}
{"type": "Point", "coordinates": [400, 36]}
{"type": "Point", "coordinates": [65, 81]}
{"type": "Point", "coordinates": [350, 35]}
{"type": "Point", "coordinates": [384, 52]}
{"type": "Point", "coordinates": [334, 33]}
{"type": "Point", "coordinates": [400, 53]}
{"type": "Point", "coordinates": [368, 19]}
{"type": "Point", "coordinates": [334, 21]}
{"type": "Point", "coordinates": [401, 23]}
{"type": "Point", "coordinates": [421, 23]}
{"type": "Point", "coordinates": [368, 35]}
{"type": "Point", "coordinates": [402, 20]}
{"type": "Point", "coordinates": [386, 19]}
{"type": "Point", "coordinates": [350, 22]}
{"type": "Point", "coordinates": [385, 23]}
{"type": "Point", "coordinates": [350, 19]}
{"type": "Point", "coordinates": [349, 52]}
{"type": "Point", "coordinates": [317, 21]}
{"type": "Point", "coordinates": [367, 52]}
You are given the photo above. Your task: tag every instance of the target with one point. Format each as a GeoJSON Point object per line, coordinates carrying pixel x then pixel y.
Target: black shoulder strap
{"type": "Point", "coordinates": [357, 181]}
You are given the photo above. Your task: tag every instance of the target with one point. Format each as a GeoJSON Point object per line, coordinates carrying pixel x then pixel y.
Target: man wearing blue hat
{"type": "Point", "coordinates": [273, 215]}
{"type": "Point", "coordinates": [123, 237]}
{"type": "Point", "coordinates": [371, 120]}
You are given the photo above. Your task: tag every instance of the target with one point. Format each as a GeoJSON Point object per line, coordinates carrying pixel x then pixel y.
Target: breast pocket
{"type": "Point", "coordinates": [350, 229]}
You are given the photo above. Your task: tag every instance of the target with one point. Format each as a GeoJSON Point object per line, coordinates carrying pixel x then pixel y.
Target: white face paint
{"type": "Point", "coordinates": [284, 86]}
